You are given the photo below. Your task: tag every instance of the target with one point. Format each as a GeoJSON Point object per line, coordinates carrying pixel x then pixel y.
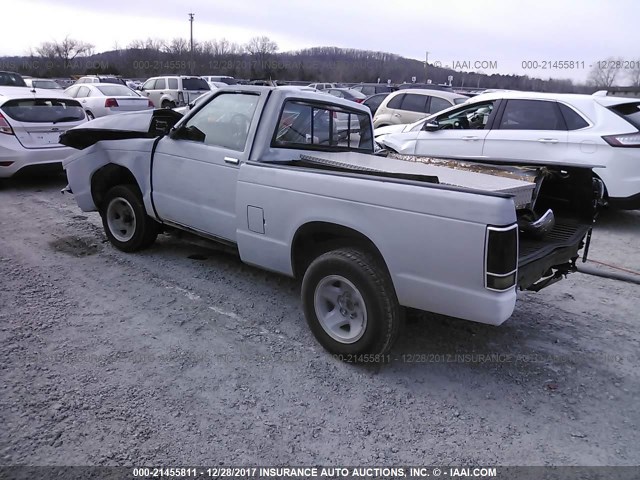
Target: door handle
{"type": "Point", "coordinates": [548, 140]}
{"type": "Point", "coordinates": [396, 114]}
{"type": "Point", "coordinates": [470, 138]}
{"type": "Point", "coordinates": [232, 160]}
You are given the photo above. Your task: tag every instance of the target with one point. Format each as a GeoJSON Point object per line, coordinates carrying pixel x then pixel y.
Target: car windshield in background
{"type": "Point", "coordinates": [307, 126]}
{"type": "Point", "coordinates": [458, 101]}
{"type": "Point", "coordinates": [44, 110]}
{"type": "Point", "coordinates": [195, 84]}
{"type": "Point", "coordinates": [116, 91]}
{"type": "Point", "coordinates": [117, 81]}
{"type": "Point", "coordinates": [630, 112]}
{"type": "Point", "coordinates": [48, 84]}
{"type": "Point", "coordinates": [9, 79]}
{"type": "Point", "coordinates": [228, 81]}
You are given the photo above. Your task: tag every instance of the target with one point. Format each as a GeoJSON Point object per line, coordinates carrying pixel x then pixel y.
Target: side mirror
{"type": "Point", "coordinates": [431, 126]}
{"type": "Point", "coordinates": [176, 133]}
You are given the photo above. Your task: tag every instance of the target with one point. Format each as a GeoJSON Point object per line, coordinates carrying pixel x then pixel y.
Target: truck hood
{"type": "Point", "coordinates": [140, 124]}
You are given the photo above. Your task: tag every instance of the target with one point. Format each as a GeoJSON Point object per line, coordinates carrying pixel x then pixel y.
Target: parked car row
{"type": "Point", "coordinates": [599, 131]}
{"type": "Point", "coordinates": [596, 130]}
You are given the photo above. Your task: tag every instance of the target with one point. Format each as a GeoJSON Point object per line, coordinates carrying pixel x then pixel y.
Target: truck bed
{"type": "Point", "coordinates": [536, 257]}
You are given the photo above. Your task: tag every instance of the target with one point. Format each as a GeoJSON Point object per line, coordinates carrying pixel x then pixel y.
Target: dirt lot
{"type": "Point", "coordinates": [182, 355]}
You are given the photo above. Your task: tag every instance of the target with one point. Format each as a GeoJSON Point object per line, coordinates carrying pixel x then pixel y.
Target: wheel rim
{"type": "Point", "coordinates": [340, 309]}
{"type": "Point", "coordinates": [90, 116]}
{"type": "Point", "coordinates": [121, 219]}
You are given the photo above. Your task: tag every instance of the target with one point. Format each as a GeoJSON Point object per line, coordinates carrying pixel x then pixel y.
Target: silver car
{"type": "Point", "coordinates": [102, 99]}
{"type": "Point", "coordinates": [30, 127]}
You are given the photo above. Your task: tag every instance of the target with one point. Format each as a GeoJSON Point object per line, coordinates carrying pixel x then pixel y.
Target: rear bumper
{"type": "Point", "coordinates": [626, 203]}
{"type": "Point", "coordinates": [14, 160]}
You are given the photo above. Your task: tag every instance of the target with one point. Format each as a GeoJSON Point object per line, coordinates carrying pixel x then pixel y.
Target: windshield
{"type": "Point", "coordinates": [49, 84]}
{"type": "Point", "coordinates": [11, 80]}
{"type": "Point", "coordinates": [194, 84]}
{"type": "Point", "coordinates": [44, 110]}
{"type": "Point", "coordinates": [116, 91]}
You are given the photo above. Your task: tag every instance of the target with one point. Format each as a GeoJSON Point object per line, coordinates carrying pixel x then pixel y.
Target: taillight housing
{"type": "Point", "coordinates": [623, 140]}
{"type": "Point", "coordinates": [151, 104]}
{"type": "Point", "coordinates": [359, 100]}
{"type": "Point", "coordinates": [5, 127]}
{"type": "Point", "coordinates": [110, 102]}
{"type": "Point", "coordinates": [501, 258]}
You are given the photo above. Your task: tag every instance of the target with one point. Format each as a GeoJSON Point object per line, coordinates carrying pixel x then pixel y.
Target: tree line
{"type": "Point", "coordinates": [259, 58]}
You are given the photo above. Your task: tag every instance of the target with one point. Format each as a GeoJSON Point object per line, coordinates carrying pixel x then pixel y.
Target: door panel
{"type": "Point", "coordinates": [195, 170]}
{"type": "Point", "coordinates": [461, 132]}
{"type": "Point", "coordinates": [528, 130]}
{"type": "Point", "coordinates": [194, 186]}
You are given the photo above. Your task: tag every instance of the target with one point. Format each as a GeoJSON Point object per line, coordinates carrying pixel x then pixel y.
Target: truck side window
{"type": "Point", "coordinates": [305, 125]}
{"type": "Point", "coordinates": [224, 121]}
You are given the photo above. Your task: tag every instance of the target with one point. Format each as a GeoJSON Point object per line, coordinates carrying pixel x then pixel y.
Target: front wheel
{"type": "Point", "coordinates": [350, 303]}
{"type": "Point", "coordinates": [125, 221]}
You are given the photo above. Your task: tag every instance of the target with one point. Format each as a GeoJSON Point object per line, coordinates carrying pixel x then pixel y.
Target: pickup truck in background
{"type": "Point", "coordinates": [289, 179]}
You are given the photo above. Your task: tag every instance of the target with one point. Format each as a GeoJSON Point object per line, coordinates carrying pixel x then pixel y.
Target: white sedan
{"type": "Point", "coordinates": [102, 99]}
{"type": "Point", "coordinates": [529, 126]}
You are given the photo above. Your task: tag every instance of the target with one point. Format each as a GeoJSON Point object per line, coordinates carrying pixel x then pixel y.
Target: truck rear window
{"type": "Point", "coordinates": [194, 84]}
{"type": "Point", "coordinates": [44, 110]}
{"type": "Point", "coordinates": [306, 125]}
{"type": "Point", "coordinates": [630, 112]}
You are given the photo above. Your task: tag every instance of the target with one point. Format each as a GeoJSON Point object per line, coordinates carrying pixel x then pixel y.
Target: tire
{"type": "Point", "coordinates": [127, 225]}
{"type": "Point", "coordinates": [351, 288]}
{"type": "Point", "coordinates": [90, 116]}
{"type": "Point", "coordinates": [168, 104]}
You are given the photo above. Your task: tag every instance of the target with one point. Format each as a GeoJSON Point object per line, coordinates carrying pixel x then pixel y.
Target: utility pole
{"type": "Point", "coordinates": [191, 15]}
{"type": "Point", "coordinates": [426, 74]}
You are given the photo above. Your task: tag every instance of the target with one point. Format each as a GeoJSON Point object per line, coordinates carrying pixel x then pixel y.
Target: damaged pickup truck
{"type": "Point", "coordinates": [289, 179]}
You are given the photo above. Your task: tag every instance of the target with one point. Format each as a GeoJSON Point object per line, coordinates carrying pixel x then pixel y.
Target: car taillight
{"type": "Point", "coordinates": [501, 257]}
{"type": "Point", "coordinates": [624, 140]}
{"type": "Point", "coordinates": [110, 102]}
{"type": "Point", "coordinates": [151, 104]}
{"type": "Point", "coordinates": [359, 100]}
{"type": "Point", "coordinates": [5, 127]}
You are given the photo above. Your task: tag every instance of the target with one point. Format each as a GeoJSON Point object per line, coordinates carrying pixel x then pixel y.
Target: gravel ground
{"type": "Point", "coordinates": [182, 355]}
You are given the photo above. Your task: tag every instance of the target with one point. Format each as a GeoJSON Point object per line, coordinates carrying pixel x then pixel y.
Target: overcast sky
{"type": "Point", "coordinates": [500, 33]}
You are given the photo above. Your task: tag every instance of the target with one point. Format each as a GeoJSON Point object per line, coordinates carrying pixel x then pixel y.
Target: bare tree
{"type": "Point", "coordinates": [261, 46]}
{"type": "Point", "coordinates": [604, 72]}
{"type": "Point", "coordinates": [177, 46]}
{"type": "Point", "coordinates": [634, 75]}
{"type": "Point", "coordinates": [66, 50]}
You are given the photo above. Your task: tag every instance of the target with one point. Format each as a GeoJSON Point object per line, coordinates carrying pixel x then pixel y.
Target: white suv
{"type": "Point", "coordinates": [568, 128]}
{"type": "Point", "coordinates": [174, 90]}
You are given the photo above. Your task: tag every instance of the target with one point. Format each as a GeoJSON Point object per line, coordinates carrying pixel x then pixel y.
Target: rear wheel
{"type": "Point", "coordinates": [350, 303]}
{"type": "Point", "coordinates": [125, 221]}
{"type": "Point", "coordinates": [168, 104]}
{"type": "Point", "coordinates": [90, 116]}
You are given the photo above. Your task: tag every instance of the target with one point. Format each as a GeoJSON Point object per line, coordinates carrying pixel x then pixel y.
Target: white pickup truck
{"type": "Point", "coordinates": [289, 179]}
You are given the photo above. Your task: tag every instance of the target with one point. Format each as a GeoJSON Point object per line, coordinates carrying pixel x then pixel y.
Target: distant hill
{"type": "Point", "coordinates": [324, 64]}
